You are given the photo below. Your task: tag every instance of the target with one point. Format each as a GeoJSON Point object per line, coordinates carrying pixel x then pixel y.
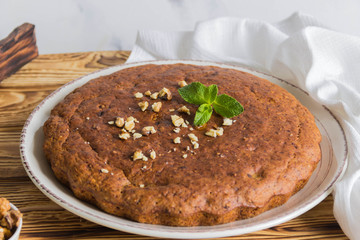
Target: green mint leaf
{"type": "Point", "coordinates": [227, 106]}
{"type": "Point", "coordinates": [203, 114]}
{"type": "Point", "coordinates": [207, 98]}
{"type": "Point", "coordinates": [211, 93]}
{"type": "Point", "coordinates": [194, 93]}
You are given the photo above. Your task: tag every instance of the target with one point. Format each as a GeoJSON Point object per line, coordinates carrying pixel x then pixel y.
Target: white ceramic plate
{"type": "Point", "coordinates": [329, 170]}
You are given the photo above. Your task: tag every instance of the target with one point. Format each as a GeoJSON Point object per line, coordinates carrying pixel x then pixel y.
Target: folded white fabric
{"type": "Point", "coordinates": [298, 49]}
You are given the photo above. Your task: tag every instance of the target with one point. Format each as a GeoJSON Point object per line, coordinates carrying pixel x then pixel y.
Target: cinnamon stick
{"type": "Point", "coordinates": [17, 49]}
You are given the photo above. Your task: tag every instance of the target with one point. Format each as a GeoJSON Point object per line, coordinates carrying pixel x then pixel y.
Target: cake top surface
{"type": "Point", "coordinates": [265, 151]}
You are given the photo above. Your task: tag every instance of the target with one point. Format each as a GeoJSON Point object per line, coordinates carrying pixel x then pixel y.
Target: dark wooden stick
{"type": "Point", "coordinates": [17, 49]}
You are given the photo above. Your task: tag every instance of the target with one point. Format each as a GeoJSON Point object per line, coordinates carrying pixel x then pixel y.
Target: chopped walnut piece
{"type": "Point", "coordinates": [165, 92]}
{"type": "Point", "coordinates": [147, 93]}
{"type": "Point", "coordinates": [10, 220]}
{"type": "Point", "coordinates": [130, 123]}
{"type": "Point", "coordinates": [148, 130]}
{"type": "Point", "coordinates": [4, 206]}
{"type": "Point", "coordinates": [124, 135]}
{"type": "Point", "coordinates": [143, 105]}
{"type": "Point", "coordinates": [176, 120]}
{"type": "Point", "coordinates": [182, 83]}
{"type": "Point", "coordinates": [211, 133]}
{"type": "Point", "coordinates": [154, 95]}
{"type": "Point", "coordinates": [193, 137]}
{"type": "Point", "coordinates": [219, 131]}
{"type": "Point", "coordinates": [119, 122]}
{"type": "Point", "coordinates": [215, 132]}
{"type": "Point", "coordinates": [138, 95]}
{"type": "Point", "coordinates": [152, 154]}
{"type": "Point", "coordinates": [138, 155]}
{"type": "Point", "coordinates": [156, 106]}
{"type": "Point", "coordinates": [195, 144]}
{"type": "Point", "coordinates": [227, 122]}
{"type": "Point", "coordinates": [177, 140]}
{"type": "Point", "coordinates": [184, 109]}
{"type": "Point", "coordinates": [5, 233]}
{"type": "Point", "coordinates": [131, 118]}
{"type": "Point", "coordinates": [137, 135]}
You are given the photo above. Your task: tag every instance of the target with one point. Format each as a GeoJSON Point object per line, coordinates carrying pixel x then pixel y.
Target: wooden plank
{"type": "Point", "coordinates": [57, 69]}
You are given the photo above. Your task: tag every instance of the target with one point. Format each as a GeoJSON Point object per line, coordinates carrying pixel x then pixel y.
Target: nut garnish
{"type": "Point", "coordinates": [195, 144]}
{"type": "Point", "coordinates": [165, 92]}
{"type": "Point", "coordinates": [111, 122]}
{"type": "Point", "coordinates": [143, 105]}
{"type": "Point", "coordinates": [138, 95]}
{"type": "Point", "coordinates": [148, 130]}
{"type": "Point", "coordinates": [176, 120]}
{"type": "Point", "coordinates": [137, 135]}
{"type": "Point", "coordinates": [215, 132]}
{"type": "Point", "coordinates": [184, 156]}
{"type": "Point", "coordinates": [156, 106]}
{"type": "Point", "coordinates": [152, 154]}
{"type": "Point", "coordinates": [177, 130]}
{"type": "Point", "coordinates": [103, 170]}
{"type": "Point", "coordinates": [131, 118]}
{"type": "Point", "coordinates": [219, 131]}
{"type": "Point", "coordinates": [184, 109]}
{"type": "Point", "coordinates": [142, 185]}
{"type": "Point", "coordinates": [193, 137]}
{"type": "Point", "coordinates": [138, 155]}
{"type": "Point", "coordinates": [227, 122]}
{"type": "Point", "coordinates": [147, 93]}
{"type": "Point", "coordinates": [184, 125]}
{"type": "Point", "coordinates": [129, 123]}
{"type": "Point", "coordinates": [177, 140]}
{"type": "Point", "coordinates": [154, 95]}
{"type": "Point", "coordinates": [182, 83]}
{"type": "Point", "coordinates": [119, 122]}
{"type": "Point", "coordinates": [124, 135]}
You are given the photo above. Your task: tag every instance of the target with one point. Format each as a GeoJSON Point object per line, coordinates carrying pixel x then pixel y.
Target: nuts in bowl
{"type": "Point", "coordinates": [10, 220]}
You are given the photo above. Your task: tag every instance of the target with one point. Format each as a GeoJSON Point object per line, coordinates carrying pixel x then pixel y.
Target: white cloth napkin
{"type": "Point", "coordinates": [298, 49]}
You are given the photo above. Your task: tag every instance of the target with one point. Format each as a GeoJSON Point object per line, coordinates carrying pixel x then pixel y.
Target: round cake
{"type": "Point", "coordinates": [126, 143]}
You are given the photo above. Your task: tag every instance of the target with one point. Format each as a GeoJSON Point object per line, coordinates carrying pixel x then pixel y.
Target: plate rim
{"type": "Point", "coordinates": [171, 230]}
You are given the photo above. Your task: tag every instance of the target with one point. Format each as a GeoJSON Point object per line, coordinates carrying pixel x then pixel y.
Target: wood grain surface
{"type": "Point", "coordinates": [17, 49]}
{"type": "Point", "coordinates": [43, 219]}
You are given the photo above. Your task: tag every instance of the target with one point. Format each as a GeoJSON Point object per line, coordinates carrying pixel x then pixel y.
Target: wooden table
{"type": "Point", "coordinates": [43, 219]}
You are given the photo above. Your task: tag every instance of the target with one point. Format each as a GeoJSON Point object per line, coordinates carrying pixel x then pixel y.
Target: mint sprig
{"type": "Point", "coordinates": [197, 93]}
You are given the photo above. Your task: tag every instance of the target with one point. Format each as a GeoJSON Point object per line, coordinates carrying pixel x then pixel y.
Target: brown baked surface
{"type": "Point", "coordinates": [266, 156]}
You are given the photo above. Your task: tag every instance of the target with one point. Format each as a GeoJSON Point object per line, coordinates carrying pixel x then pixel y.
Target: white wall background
{"type": "Point", "coordinates": [90, 25]}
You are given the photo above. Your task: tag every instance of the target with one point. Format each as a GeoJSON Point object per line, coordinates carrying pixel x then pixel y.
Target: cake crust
{"type": "Point", "coordinates": [262, 159]}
